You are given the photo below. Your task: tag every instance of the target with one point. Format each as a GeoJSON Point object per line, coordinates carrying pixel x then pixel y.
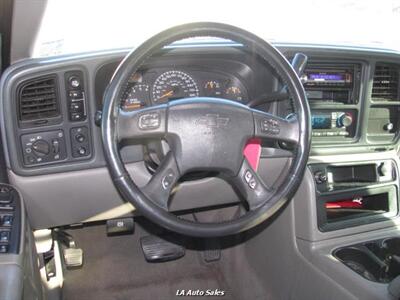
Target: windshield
{"type": "Point", "coordinates": [71, 26]}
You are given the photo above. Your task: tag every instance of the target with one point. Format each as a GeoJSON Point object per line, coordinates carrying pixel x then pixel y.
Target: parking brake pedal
{"type": "Point", "coordinates": [212, 251]}
{"type": "Point", "coordinates": [156, 249]}
{"type": "Point", "coordinates": [73, 256]}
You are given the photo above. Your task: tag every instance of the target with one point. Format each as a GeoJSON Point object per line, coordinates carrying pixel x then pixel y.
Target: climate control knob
{"type": "Point", "coordinates": [41, 148]}
{"type": "Point", "coordinates": [344, 120]}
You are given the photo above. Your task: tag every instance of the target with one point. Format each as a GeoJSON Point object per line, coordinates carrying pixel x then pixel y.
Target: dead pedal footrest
{"type": "Point", "coordinates": [156, 249]}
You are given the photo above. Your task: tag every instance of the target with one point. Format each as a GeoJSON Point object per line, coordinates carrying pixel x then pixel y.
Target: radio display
{"type": "Point", "coordinates": [327, 76]}
{"type": "Point", "coordinates": [321, 121]}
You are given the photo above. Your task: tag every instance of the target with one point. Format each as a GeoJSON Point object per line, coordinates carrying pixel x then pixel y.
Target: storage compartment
{"type": "Point", "coordinates": [377, 260]}
{"type": "Point", "coordinates": [357, 207]}
{"type": "Point", "coordinates": [353, 173]}
{"type": "Point", "coordinates": [353, 208]}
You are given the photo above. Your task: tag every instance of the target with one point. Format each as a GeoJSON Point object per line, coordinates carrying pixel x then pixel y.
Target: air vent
{"type": "Point", "coordinates": [38, 100]}
{"type": "Point", "coordinates": [386, 83]}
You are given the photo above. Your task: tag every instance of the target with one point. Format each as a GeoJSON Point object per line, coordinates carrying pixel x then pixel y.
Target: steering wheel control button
{"type": "Point", "coordinates": [270, 126]}
{"type": "Point", "coordinates": [80, 142]}
{"type": "Point", "coordinates": [43, 148]}
{"type": "Point", "coordinates": [248, 176]}
{"type": "Point", "coordinates": [168, 179]}
{"type": "Point", "coordinates": [149, 121]}
{"type": "Point", "coordinates": [252, 183]}
{"type": "Point", "coordinates": [250, 180]}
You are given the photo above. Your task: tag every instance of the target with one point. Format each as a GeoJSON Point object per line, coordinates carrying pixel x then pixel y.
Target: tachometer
{"type": "Point", "coordinates": [172, 85]}
{"type": "Point", "coordinates": [136, 97]}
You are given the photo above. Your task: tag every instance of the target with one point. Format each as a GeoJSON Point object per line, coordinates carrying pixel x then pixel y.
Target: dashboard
{"type": "Point", "coordinates": [49, 108]}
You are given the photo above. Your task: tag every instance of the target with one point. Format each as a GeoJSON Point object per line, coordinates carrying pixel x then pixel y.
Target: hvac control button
{"type": "Point", "coordinates": [41, 148]}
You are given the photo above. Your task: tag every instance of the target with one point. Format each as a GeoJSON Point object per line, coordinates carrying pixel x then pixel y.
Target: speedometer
{"type": "Point", "coordinates": [172, 85]}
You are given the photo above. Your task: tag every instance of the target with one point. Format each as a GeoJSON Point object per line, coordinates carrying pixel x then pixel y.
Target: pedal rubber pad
{"type": "Point", "coordinates": [73, 257]}
{"type": "Point", "coordinates": [156, 249]}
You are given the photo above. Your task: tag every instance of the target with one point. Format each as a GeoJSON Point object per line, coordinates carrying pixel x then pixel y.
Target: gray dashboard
{"type": "Point", "coordinates": [73, 189]}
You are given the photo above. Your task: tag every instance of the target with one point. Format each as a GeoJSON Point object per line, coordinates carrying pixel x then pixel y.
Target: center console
{"type": "Point", "coordinates": [333, 91]}
{"type": "Point", "coordinates": [353, 194]}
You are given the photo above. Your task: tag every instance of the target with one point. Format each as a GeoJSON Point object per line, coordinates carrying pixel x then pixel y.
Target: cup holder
{"type": "Point", "coordinates": [377, 260]}
{"type": "Point", "coordinates": [363, 262]}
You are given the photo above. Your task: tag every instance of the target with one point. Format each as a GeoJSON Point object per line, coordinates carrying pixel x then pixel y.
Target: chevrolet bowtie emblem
{"type": "Point", "coordinates": [213, 120]}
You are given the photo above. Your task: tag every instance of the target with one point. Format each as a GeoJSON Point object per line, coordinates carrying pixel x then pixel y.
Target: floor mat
{"type": "Point", "coordinates": [115, 268]}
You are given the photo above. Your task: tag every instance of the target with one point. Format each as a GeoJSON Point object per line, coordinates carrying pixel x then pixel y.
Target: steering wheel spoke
{"type": "Point", "coordinates": [160, 186]}
{"type": "Point", "coordinates": [251, 186]}
{"type": "Point", "coordinates": [144, 124]}
{"type": "Point", "coordinates": [274, 128]}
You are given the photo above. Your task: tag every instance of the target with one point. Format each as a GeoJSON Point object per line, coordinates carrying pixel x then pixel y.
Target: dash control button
{"type": "Point", "coordinates": [3, 248]}
{"type": "Point", "coordinates": [4, 236]}
{"type": "Point", "coordinates": [149, 121]}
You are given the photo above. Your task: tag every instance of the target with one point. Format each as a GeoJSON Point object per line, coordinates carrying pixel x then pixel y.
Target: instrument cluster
{"type": "Point", "coordinates": [152, 87]}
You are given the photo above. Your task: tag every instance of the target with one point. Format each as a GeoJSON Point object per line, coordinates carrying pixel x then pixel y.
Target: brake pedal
{"type": "Point", "coordinates": [156, 249]}
{"type": "Point", "coordinates": [73, 257]}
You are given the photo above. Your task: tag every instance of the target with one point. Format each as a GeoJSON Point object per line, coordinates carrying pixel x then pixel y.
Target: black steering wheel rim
{"type": "Point", "coordinates": [110, 135]}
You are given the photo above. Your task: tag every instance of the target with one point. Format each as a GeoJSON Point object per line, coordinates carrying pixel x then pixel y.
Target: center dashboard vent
{"type": "Point", "coordinates": [38, 102]}
{"type": "Point", "coordinates": [386, 83]}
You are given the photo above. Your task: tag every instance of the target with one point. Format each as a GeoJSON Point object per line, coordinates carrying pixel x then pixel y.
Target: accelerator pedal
{"type": "Point", "coordinates": [156, 249]}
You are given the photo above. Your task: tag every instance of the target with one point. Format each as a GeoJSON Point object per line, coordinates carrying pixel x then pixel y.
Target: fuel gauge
{"type": "Point", "coordinates": [233, 93]}
{"type": "Point", "coordinates": [212, 88]}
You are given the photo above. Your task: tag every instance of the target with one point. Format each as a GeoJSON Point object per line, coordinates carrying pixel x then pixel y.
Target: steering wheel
{"type": "Point", "coordinates": [205, 134]}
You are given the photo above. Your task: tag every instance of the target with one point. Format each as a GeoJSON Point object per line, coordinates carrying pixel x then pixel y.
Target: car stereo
{"type": "Point", "coordinates": [333, 123]}
{"type": "Point", "coordinates": [332, 83]}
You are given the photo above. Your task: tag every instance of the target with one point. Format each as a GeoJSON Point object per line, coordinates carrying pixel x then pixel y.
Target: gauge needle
{"type": "Point", "coordinates": [167, 94]}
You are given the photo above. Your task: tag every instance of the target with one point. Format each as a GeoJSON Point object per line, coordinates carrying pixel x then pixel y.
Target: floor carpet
{"type": "Point", "coordinates": [115, 268]}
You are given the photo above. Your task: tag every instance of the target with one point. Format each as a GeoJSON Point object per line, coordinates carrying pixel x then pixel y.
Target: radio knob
{"type": "Point", "coordinates": [41, 148]}
{"type": "Point", "coordinates": [344, 120]}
